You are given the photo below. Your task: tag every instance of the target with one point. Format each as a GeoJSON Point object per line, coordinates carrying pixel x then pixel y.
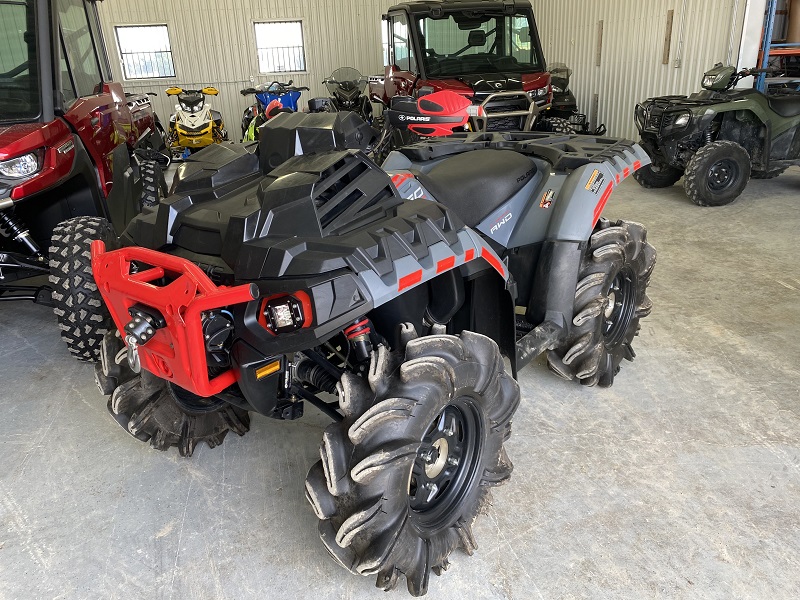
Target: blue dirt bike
{"type": "Point", "coordinates": [271, 99]}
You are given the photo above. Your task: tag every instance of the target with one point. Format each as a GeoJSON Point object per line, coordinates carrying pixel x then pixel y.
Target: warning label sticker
{"type": "Point", "coordinates": [595, 181]}
{"type": "Point", "coordinates": [547, 199]}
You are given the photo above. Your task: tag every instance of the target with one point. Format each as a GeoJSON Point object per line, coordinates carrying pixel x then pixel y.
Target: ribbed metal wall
{"type": "Point", "coordinates": [631, 66]}
{"type": "Point", "coordinates": [213, 43]}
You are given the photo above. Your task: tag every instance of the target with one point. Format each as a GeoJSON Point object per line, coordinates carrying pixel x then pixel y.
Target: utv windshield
{"type": "Point", "coordinates": [465, 43]}
{"type": "Point", "coordinates": [19, 81]}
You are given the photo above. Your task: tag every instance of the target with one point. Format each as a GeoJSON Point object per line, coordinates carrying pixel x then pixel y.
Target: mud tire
{"type": "Point", "coordinates": [615, 272]}
{"type": "Point", "coordinates": [366, 490]}
{"type": "Point", "coordinates": [153, 410]}
{"type": "Point", "coordinates": [78, 305]}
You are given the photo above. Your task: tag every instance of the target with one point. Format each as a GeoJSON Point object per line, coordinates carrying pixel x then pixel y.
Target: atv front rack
{"type": "Point", "coordinates": [173, 293]}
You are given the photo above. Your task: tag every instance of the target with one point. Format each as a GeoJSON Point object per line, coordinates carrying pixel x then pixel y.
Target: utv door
{"type": "Point", "coordinates": [93, 105]}
{"type": "Point", "coordinates": [401, 63]}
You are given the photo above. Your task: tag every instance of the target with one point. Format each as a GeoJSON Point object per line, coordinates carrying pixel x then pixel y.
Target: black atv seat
{"type": "Point", "coordinates": [473, 184]}
{"type": "Point", "coordinates": [785, 106]}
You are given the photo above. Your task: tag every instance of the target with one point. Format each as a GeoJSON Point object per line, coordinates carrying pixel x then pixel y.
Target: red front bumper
{"type": "Point", "coordinates": [176, 352]}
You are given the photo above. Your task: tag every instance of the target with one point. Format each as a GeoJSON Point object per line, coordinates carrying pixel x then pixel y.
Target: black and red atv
{"type": "Point", "coordinates": [296, 270]}
{"type": "Point", "coordinates": [71, 141]}
{"type": "Point", "coordinates": [487, 51]}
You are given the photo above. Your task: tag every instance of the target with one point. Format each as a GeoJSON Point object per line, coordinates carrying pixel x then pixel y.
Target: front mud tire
{"type": "Point", "coordinates": [610, 299]}
{"type": "Point", "coordinates": [153, 410]}
{"type": "Point", "coordinates": [78, 305]}
{"type": "Point", "coordinates": [373, 489]}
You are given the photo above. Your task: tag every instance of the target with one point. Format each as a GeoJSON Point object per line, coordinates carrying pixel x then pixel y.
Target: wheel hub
{"type": "Point", "coordinates": [620, 308]}
{"type": "Point", "coordinates": [722, 175]}
{"type": "Point", "coordinates": [446, 463]}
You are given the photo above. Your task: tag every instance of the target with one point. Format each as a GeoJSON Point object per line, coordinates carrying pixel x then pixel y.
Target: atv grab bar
{"type": "Point", "coordinates": [175, 352]}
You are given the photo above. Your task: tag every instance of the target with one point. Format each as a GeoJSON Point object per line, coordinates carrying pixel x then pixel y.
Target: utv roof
{"type": "Point", "coordinates": [431, 7]}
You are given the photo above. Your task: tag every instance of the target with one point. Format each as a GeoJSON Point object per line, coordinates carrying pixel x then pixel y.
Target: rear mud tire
{"type": "Point", "coordinates": [78, 305]}
{"type": "Point", "coordinates": [152, 410]}
{"type": "Point", "coordinates": [610, 299]}
{"type": "Point", "coordinates": [657, 176]}
{"type": "Point", "coordinates": [717, 174]}
{"type": "Point", "coordinates": [373, 489]}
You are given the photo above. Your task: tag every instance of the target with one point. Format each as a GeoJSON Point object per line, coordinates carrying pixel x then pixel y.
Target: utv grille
{"type": "Point", "coordinates": [352, 192]}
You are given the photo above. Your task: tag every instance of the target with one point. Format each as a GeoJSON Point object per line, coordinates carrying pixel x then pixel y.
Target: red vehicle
{"type": "Point", "coordinates": [485, 50]}
{"type": "Point", "coordinates": [67, 133]}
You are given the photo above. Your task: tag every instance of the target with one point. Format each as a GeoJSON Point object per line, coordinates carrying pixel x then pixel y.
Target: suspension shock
{"type": "Point", "coordinates": [14, 229]}
{"type": "Point", "coordinates": [708, 135]}
{"type": "Point", "coordinates": [358, 334]}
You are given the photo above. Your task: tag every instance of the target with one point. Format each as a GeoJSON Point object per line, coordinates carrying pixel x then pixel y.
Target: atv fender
{"type": "Point", "coordinates": [588, 189]}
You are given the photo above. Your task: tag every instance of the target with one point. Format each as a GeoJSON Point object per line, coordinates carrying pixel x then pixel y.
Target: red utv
{"type": "Point", "coordinates": [485, 50]}
{"type": "Point", "coordinates": [67, 135]}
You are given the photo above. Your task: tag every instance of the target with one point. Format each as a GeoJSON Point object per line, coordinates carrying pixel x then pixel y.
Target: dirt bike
{"type": "Point", "coordinates": [300, 272]}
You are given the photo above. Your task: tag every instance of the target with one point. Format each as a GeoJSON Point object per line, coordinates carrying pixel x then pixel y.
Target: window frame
{"type": "Point", "coordinates": [301, 22]}
{"type": "Point", "coordinates": [64, 50]}
{"type": "Point", "coordinates": [120, 53]}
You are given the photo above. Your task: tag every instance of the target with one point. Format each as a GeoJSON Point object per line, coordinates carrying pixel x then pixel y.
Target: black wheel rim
{"type": "Point", "coordinates": [193, 404]}
{"type": "Point", "coordinates": [723, 175]}
{"type": "Point", "coordinates": [620, 308]}
{"type": "Point", "coordinates": [446, 466]}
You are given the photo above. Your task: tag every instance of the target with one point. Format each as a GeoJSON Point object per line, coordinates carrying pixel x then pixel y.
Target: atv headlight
{"type": "Point", "coordinates": [287, 313]}
{"type": "Point", "coordinates": [21, 166]}
{"type": "Point", "coordinates": [683, 120]}
{"type": "Point", "coordinates": [557, 90]}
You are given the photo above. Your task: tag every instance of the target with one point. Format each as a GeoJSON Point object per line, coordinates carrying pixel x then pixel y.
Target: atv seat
{"type": "Point", "coordinates": [785, 106]}
{"type": "Point", "coordinates": [473, 184]}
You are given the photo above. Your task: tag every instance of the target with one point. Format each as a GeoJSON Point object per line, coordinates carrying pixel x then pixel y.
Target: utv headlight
{"type": "Point", "coordinates": [557, 90]}
{"type": "Point", "coordinates": [537, 93]}
{"type": "Point", "coordinates": [21, 166]}
{"type": "Point", "coordinates": [683, 120]}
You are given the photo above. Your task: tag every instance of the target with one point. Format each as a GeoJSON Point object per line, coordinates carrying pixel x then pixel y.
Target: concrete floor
{"type": "Point", "coordinates": [682, 481]}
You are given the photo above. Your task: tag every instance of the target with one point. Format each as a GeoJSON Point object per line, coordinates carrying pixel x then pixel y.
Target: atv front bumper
{"type": "Point", "coordinates": [171, 344]}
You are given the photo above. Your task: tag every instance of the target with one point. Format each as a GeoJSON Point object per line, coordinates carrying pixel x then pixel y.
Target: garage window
{"type": "Point", "coordinates": [145, 51]}
{"type": "Point", "coordinates": [280, 47]}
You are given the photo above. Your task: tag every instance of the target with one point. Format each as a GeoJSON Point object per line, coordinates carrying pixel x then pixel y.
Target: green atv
{"type": "Point", "coordinates": [718, 138]}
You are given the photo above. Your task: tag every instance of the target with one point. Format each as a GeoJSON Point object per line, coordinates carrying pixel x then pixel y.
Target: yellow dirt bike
{"type": "Point", "coordinates": [194, 124]}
